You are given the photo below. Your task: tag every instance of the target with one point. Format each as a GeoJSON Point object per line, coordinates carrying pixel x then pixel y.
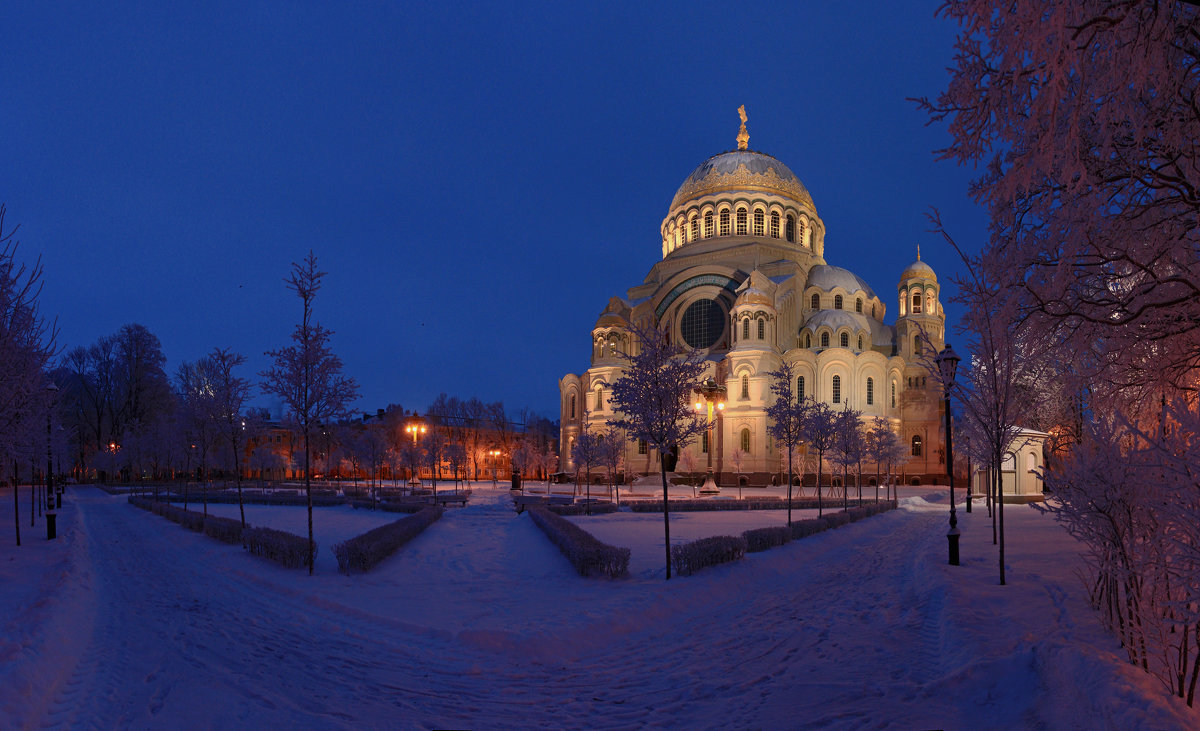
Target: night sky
{"type": "Point", "coordinates": [477, 180]}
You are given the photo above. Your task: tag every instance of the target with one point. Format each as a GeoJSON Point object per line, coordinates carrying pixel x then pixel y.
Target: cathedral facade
{"type": "Point", "coordinates": [743, 278]}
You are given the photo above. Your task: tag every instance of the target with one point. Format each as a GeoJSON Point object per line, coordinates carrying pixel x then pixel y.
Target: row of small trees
{"type": "Point", "coordinates": [1085, 301]}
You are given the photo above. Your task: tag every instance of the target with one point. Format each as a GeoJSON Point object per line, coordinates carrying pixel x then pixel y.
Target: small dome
{"type": "Point", "coordinates": [611, 319]}
{"type": "Point", "coordinates": [742, 170]}
{"type": "Point", "coordinates": [826, 278]}
{"type": "Point", "coordinates": [918, 269]}
{"type": "Point", "coordinates": [752, 296]}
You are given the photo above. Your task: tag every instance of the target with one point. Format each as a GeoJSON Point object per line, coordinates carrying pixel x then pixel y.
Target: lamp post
{"type": "Point", "coordinates": [947, 363]}
{"type": "Point", "coordinates": [713, 396]}
{"type": "Point", "coordinates": [494, 454]}
{"type": "Point", "coordinates": [51, 390]}
{"type": "Point", "coordinates": [416, 429]}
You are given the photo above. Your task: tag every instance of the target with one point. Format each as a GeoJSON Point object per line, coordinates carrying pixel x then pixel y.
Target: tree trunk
{"type": "Point", "coordinates": [789, 479]}
{"type": "Point", "coordinates": [666, 521]}
{"type": "Point", "coordinates": [820, 503]}
{"type": "Point", "coordinates": [16, 504]}
{"type": "Point", "coordinates": [308, 493]}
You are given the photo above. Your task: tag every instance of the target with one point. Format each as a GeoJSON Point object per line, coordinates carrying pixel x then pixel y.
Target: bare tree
{"type": "Point", "coordinates": [307, 375]}
{"type": "Point", "coordinates": [847, 446]}
{"type": "Point", "coordinates": [26, 347]}
{"type": "Point", "coordinates": [653, 399]}
{"type": "Point", "coordinates": [786, 416]}
{"type": "Point", "coordinates": [818, 429]}
{"type": "Point", "coordinates": [229, 399]}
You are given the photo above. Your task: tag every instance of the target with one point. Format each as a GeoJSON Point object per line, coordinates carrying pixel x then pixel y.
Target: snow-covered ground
{"type": "Point", "coordinates": [129, 620]}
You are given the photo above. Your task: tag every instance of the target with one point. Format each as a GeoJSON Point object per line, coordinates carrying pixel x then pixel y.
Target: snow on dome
{"type": "Point", "coordinates": [836, 319]}
{"type": "Point", "coordinates": [742, 170]}
{"type": "Point", "coordinates": [919, 269]}
{"type": "Point", "coordinates": [826, 277]}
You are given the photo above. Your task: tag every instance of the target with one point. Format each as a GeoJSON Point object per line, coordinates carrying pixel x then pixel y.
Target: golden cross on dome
{"type": "Point", "coordinates": [743, 137]}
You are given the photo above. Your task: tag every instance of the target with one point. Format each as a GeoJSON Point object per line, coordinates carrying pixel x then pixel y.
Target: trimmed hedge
{"type": "Point", "coordinates": [279, 546]}
{"type": "Point", "coordinates": [586, 553]}
{"type": "Point", "coordinates": [805, 528]}
{"type": "Point", "coordinates": [389, 507]}
{"type": "Point", "coordinates": [689, 558]}
{"type": "Point", "coordinates": [226, 530]}
{"type": "Point", "coordinates": [760, 539]}
{"type": "Point", "coordinates": [684, 505]}
{"type": "Point", "coordinates": [581, 509]}
{"type": "Point", "coordinates": [363, 553]}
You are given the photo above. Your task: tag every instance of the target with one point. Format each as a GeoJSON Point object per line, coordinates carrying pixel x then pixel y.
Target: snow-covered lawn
{"type": "Point", "coordinates": [131, 621]}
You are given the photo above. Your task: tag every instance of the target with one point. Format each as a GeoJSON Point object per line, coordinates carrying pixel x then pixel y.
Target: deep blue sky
{"type": "Point", "coordinates": [477, 179]}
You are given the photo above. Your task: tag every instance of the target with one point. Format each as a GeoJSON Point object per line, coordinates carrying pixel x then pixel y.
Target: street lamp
{"type": "Point", "coordinates": [417, 429]}
{"type": "Point", "coordinates": [712, 395]}
{"type": "Point", "coordinates": [947, 363]}
{"type": "Point", "coordinates": [494, 454]}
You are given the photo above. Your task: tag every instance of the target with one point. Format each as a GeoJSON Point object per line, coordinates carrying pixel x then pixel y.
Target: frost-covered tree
{"type": "Point", "coordinates": [587, 452]}
{"type": "Point", "coordinates": [26, 346]}
{"type": "Point", "coordinates": [307, 375]}
{"type": "Point", "coordinates": [612, 457]}
{"type": "Point", "coordinates": [1084, 115]}
{"type": "Point", "coordinates": [847, 447]}
{"type": "Point", "coordinates": [737, 459]}
{"type": "Point", "coordinates": [818, 429]}
{"type": "Point", "coordinates": [653, 400]}
{"type": "Point", "coordinates": [881, 445]}
{"type": "Point", "coordinates": [785, 420]}
{"type": "Point", "coordinates": [434, 453]}
{"type": "Point", "coordinates": [230, 392]}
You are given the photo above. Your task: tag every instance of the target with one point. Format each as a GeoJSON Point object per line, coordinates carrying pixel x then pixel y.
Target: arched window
{"type": "Point", "coordinates": [762, 329]}
{"type": "Point", "coordinates": [916, 445]}
{"type": "Point", "coordinates": [745, 387]}
{"type": "Point", "coordinates": [860, 342]}
{"type": "Point", "coordinates": [870, 392]}
{"type": "Point", "coordinates": [724, 223]}
{"type": "Point", "coordinates": [774, 224]}
{"type": "Point", "coordinates": [802, 232]}
{"type": "Point", "coordinates": [858, 305]}
{"type": "Point", "coordinates": [746, 329]}
{"type": "Point", "coordinates": [791, 228]}
{"type": "Point", "coordinates": [572, 406]}
{"type": "Point", "coordinates": [872, 310]}
{"type": "Point", "coordinates": [695, 228]}
{"type": "Point", "coordinates": [916, 303]}
{"type": "Point", "coordinates": [758, 223]}
{"type": "Point", "coordinates": [929, 303]}
{"type": "Point", "coordinates": [837, 389]}
{"type": "Point", "coordinates": [746, 441]}
{"type": "Point", "coordinates": [844, 340]}
{"type": "Point", "coordinates": [837, 302]}
{"type": "Point", "coordinates": [903, 307]}
{"type": "Point", "coordinates": [708, 224]}
{"type": "Point", "coordinates": [800, 388]}
{"type": "Point", "coordinates": [916, 344]}
{"type": "Point", "coordinates": [893, 394]}
{"type": "Point", "coordinates": [816, 301]}
{"type": "Point", "coordinates": [824, 340]}
{"type": "Point", "coordinates": [1030, 461]}
{"type": "Point", "coordinates": [807, 340]}
{"type": "Point", "coordinates": [741, 221]}
{"type": "Point", "coordinates": [599, 399]}
{"type": "Point", "coordinates": [642, 446]}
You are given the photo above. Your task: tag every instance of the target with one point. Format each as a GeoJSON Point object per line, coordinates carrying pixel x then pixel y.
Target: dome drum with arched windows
{"type": "Point", "coordinates": [743, 278]}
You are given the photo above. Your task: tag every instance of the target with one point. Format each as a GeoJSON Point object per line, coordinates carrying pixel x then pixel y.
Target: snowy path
{"type": "Point", "coordinates": [480, 623]}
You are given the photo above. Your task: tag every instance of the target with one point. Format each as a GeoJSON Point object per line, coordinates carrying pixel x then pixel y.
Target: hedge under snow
{"type": "Point", "coordinates": [279, 546]}
{"type": "Point", "coordinates": [588, 555]}
{"type": "Point", "coordinates": [363, 553]}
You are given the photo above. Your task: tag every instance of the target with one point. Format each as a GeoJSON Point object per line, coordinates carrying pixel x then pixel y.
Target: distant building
{"type": "Point", "coordinates": [743, 277]}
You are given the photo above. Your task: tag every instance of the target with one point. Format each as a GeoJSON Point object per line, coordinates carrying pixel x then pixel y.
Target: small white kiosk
{"type": "Point", "coordinates": [1019, 480]}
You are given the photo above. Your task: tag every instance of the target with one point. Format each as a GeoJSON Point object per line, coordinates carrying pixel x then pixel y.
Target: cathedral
{"type": "Point", "coordinates": [743, 278]}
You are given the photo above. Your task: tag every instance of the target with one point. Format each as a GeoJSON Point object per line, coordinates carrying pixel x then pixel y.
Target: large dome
{"type": "Point", "coordinates": [742, 170]}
